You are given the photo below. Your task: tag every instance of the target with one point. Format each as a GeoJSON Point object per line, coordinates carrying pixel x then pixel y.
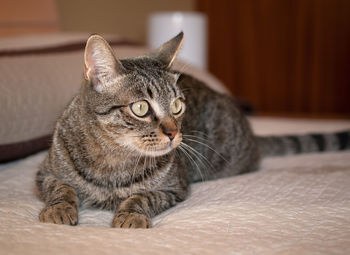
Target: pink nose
{"type": "Point", "coordinates": [169, 128]}
{"type": "Point", "coordinates": [170, 133]}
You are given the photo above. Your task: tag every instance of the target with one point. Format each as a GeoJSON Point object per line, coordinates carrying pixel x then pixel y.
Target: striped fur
{"type": "Point", "coordinates": [296, 144]}
{"type": "Point", "coordinates": [104, 155]}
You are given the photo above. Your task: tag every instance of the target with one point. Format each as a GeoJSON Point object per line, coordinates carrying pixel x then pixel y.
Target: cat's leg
{"type": "Point", "coordinates": [138, 210]}
{"type": "Point", "coordinates": [60, 199]}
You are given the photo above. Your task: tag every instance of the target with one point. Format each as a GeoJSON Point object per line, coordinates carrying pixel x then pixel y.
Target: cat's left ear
{"type": "Point", "coordinates": [167, 52]}
{"type": "Point", "coordinates": [101, 67]}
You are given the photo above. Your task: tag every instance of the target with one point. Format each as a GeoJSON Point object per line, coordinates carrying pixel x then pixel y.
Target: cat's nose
{"type": "Point", "coordinates": [169, 129]}
{"type": "Point", "coordinates": [170, 133]}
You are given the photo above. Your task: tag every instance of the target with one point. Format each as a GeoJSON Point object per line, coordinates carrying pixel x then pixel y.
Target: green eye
{"type": "Point", "coordinates": [140, 108]}
{"type": "Point", "coordinates": [176, 107]}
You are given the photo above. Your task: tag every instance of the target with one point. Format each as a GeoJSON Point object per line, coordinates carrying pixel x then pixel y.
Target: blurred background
{"type": "Point", "coordinates": [284, 57]}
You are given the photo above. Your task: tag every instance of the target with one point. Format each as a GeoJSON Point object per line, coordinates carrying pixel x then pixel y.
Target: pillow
{"type": "Point", "coordinates": [39, 75]}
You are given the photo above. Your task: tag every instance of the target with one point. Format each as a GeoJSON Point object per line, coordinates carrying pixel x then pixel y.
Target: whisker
{"type": "Point", "coordinates": [133, 174]}
{"type": "Point", "coordinates": [195, 136]}
{"type": "Point", "coordinates": [194, 151]}
{"type": "Point", "coordinates": [143, 169]}
{"type": "Point", "coordinates": [207, 167]}
{"type": "Point", "coordinates": [191, 160]}
{"type": "Point", "coordinates": [200, 132]}
{"type": "Point", "coordinates": [151, 159]}
{"type": "Point", "coordinates": [206, 145]}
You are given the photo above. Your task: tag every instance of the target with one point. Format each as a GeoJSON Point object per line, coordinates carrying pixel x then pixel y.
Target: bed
{"type": "Point", "coordinates": [292, 205]}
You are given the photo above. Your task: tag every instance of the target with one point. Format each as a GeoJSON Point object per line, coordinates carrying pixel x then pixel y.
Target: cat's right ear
{"type": "Point", "coordinates": [166, 53]}
{"type": "Point", "coordinates": [101, 67]}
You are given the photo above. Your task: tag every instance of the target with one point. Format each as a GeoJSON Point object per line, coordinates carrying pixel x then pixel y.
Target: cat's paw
{"type": "Point", "coordinates": [131, 220]}
{"type": "Point", "coordinates": [62, 213]}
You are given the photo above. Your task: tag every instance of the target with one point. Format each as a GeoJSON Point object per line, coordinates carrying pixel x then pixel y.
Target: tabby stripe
{"type": "Point", "coordinates": [149, 91]}
{"type": "Point", "coordinates": [51, 187]}
{"type": "Point", "coordinates": [319, 140]}
{"type": "Point", "coordinates": [139, 72]}
{"type": "Point", "coordinates": [155, 85]}
{"type": "Point", "coordinates": [90, 179]}
{"type": "Point", "coordinates": [149, 200]}
{"type": "Point", "coordinates": [62, 199]}
{"type": "Point", "coordinates": [110, 110]}
{"type": "Point", "coordinates": [61, 188]}
{"type": "Point", "coordinates": [176, 196]}
{"type": "Point", "coordinates": [168, 90]}
{"type": "Point", "coordinates": [174, 91]}
{"type": "Point", "coordinates": [96, 204]}
{"type": "Point", "coordinates": [104, 205]}
{"type": "Point", "coordinates": [297, 144]}
{"type": "Point", "coordinates": [343, 139]}
{"type": "Point", "coordinates": [138, 202]}
{"type": "Point", "coordinates": [170, 198]}
{"type": "Point", "coordinates": [56, 202]}
{"type": "Point", "coordinates": [129, 123]}
{"type": "Point", "coordinates": [133, 204]}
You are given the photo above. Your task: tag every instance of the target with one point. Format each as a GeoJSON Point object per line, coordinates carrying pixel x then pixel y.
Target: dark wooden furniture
{"type": "Point", "coordinates": [289, 57]}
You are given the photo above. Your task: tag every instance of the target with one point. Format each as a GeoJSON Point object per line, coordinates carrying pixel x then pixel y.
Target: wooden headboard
{"type": "Point", "coordinates": [28, 17]}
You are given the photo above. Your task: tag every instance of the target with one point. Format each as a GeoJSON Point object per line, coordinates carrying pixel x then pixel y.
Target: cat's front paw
{"type": "Point", "coordinates": [62, 213]}
{"type": "Point", "coordinates": [131, 220]}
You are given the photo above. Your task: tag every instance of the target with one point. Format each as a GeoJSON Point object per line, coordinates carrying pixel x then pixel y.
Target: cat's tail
{"type": "Point", "coordinates": [296, 144]}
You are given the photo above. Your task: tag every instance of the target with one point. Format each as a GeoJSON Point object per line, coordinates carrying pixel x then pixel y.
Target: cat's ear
{"type": "Point", "coordinates": [101, 67]}
{"type": "Point", "coordinates": [167, 52]}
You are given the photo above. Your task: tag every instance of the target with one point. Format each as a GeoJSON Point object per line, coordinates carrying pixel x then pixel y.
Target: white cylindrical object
{"type": "Point", "coordinates": [165, 25]}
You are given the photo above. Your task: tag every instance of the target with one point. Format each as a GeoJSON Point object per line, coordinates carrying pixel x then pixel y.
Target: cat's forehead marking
{"type": "Point", "coordinates": [157, 109]}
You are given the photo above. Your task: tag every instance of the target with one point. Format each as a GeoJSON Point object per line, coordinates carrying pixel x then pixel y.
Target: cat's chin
{"type": "Point", "coordinates": [158, 152]}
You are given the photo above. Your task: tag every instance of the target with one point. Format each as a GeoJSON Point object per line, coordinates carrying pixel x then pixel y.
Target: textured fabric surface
{"type": "Point", "coordinates": [293, 205]}
{"type": "Point", "coordinates": [35, 88]}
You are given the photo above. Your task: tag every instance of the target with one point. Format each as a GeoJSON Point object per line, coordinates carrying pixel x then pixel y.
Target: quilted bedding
{"type": "Point", "coordinates": [293, 205]}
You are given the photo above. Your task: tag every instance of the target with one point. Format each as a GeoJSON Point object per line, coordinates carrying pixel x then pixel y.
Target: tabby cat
{"type": "Point", "coordinates": [138, 133]}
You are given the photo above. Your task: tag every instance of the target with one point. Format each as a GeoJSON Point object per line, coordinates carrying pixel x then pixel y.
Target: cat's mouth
{"type": "Point", "coordinates": [153, 148]}
{"type": "Point", "coordinates": [156, 151]}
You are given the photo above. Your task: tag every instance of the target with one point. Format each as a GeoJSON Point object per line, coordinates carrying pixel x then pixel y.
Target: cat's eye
{"type": "Point", "coordinates": [176, 106]}
{"type": "Point", "coordinates": [140, 108]}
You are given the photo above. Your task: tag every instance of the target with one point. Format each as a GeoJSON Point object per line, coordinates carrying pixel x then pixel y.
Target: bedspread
{"type": "Point", "coordinates": [293, 205]}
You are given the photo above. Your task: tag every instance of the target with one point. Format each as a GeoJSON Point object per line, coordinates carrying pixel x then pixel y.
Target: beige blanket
{"type": "Point", "coordinates": [293, 205]}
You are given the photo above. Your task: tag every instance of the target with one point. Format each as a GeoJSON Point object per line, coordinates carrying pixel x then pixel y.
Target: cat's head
{"type": "Point", "coordinates": [135, 101]}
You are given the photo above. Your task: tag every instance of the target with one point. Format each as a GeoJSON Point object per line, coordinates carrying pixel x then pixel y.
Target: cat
{"type": "Point", "coordinates": [138, 133]}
